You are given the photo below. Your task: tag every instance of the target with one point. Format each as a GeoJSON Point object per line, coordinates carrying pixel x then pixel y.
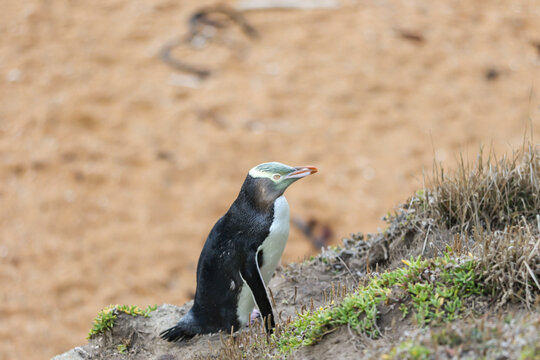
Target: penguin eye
{"type": "Point", "coordinates": [276, 176]}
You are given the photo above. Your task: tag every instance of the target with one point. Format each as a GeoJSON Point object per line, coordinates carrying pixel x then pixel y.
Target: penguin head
{"type": "Point", "coordinates": [268, 181]}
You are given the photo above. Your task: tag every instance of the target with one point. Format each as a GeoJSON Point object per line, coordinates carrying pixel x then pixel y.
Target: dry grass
{"type": "Point", "coordinates": [494, 205]}
{"type": "Point", "coordinates": [490, 194]}
{"type": "Point", "coordinates": [510, 262]}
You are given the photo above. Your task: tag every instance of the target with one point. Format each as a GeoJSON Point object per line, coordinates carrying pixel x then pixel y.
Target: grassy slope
{"type": "Point", "coordinates": [469, 238]}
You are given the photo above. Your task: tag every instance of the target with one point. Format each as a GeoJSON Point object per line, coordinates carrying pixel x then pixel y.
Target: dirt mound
{"type": "Point", "coordinates": [292, 294]}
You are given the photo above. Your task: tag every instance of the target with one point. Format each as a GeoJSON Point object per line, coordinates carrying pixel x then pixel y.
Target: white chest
{"type": "Point", "coordinates": [273, 246]}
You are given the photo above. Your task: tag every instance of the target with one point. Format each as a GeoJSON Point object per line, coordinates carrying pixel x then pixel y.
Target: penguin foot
{"type": "Point", "coordinates": [255, 316]}
{"type": "Point", "coordinates": [175, 334]}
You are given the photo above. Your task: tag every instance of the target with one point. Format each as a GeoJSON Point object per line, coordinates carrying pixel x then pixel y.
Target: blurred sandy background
{"type": "Point", "coordinates": [112, 170]}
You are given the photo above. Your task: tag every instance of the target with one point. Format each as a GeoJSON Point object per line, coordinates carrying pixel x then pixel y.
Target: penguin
{"type": "Point", "coordinates": [241, 254]}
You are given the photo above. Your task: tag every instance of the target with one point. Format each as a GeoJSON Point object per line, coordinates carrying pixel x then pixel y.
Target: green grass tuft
{"type": "Point", "coordinates": [435, 289]}
{"type": "Point", "coordinates": [409, 350]}
{"type": "Point", "coordinates": [106, 317]}
{"type": "Point", "coordinates": [122, 348]}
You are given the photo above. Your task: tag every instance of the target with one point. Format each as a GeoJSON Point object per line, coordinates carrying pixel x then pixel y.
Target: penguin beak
{"type": "Point", "coordinates": [301, 171]}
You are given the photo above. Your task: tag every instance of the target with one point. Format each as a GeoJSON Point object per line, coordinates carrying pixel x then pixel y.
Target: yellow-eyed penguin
{"type": "Point", "coordinates": [241, 254]}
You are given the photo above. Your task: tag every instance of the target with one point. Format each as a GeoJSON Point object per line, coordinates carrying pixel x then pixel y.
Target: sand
{"type": "Point", "coordinates": [114, 166]}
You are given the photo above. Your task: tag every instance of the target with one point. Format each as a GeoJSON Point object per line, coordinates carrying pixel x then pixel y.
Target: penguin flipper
{"type": "Point", "coordinates": [252, 276]}
{"type": "Point", "coordinates": [175, 334]}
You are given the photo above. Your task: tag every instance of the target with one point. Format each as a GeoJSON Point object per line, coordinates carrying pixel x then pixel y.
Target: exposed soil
{"type": "Point", "coordinates": [113, 168]}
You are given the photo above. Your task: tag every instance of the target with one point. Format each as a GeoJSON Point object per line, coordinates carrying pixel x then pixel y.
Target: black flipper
{"type": "Point", "coordinates": [252, 277]}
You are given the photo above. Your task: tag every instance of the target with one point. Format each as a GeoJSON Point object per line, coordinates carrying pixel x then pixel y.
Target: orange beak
{"type": "Point", "coordinates": [302, 171]}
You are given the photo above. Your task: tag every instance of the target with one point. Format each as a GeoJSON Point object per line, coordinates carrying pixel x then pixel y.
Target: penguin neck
{"type": "Point", "coordinates": [256, 195]}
